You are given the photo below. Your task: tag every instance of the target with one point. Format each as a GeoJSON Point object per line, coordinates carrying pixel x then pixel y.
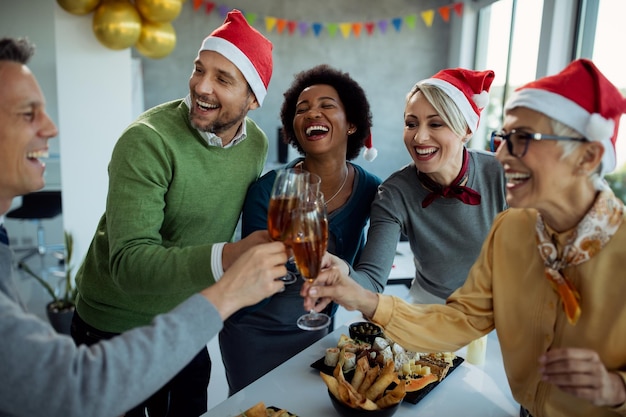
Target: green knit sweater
{"type": "Point", "coordinates": [171, 196]}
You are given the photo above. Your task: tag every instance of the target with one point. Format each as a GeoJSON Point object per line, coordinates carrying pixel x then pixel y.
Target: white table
{"type": "Point", "coordinates": [469, 391]}
{"type": "Point", "coordinates": [403, 268]}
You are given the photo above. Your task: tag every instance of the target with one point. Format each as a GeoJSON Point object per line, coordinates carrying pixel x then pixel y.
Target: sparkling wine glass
{"type": "Point", "coordinates": [289, 186]}
{"type": "Point", "coordinates": [309, 241]}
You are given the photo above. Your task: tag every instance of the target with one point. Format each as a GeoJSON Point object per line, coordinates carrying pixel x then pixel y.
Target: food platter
{"type": "Point", "coordinates": [412, 397]}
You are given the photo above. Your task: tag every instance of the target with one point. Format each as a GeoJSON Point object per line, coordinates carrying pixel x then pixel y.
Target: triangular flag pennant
{"type": "Point", "coordinates": [209, 7]}
{"type": "Point", "coordinates": [317, 29]}
{"type": "Point", "coordinates": [291, 26]}
{"type": "Point", "coordinates": [270, 22]}
{"type": "Point", "coordinates": [345, 29]}
{"type": "Point", "coordinates": [382, 25]}
{"type": "Point", "coordinates": [280, 26]}
{"type": "Point", "coordinates": [444, 11]}
{"type": "Point", "coordinates": [458, 8]}
{"type": "Point", "coordinates": [369, 27]}
{"type": "Point", "coordinates": [356, 29]}
{"type": "Point", "coordinates": [303, 27]}
{"type": "Point", "coordinates": [197, 4]}
{"type": "Point", "coordinates": [397, 23]}
{"type": "Point", "coordinates": [332, 29]}
{"type": "Point", "coordinates": [223, 9]}
{"type": "Point", "coordinates": [428, 16]}
{"type": "Point", "coordinates": [251, 18]}
{"type": "Point", "coordinates": [410, 20]}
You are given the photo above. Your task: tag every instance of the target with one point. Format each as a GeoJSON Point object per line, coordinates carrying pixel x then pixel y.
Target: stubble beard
{"type": "Point", "coordinates": [223, 122]}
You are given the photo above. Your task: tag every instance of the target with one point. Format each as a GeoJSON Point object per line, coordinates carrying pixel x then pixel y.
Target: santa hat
{"type": "Point", "coordinates": [581, 98]}
{"type": "Point", "coordinates": [245, 47]}
{"type": "Point", "coordinates": [370, 153]}
{"type": "Point", "coordinates": [469, 89]}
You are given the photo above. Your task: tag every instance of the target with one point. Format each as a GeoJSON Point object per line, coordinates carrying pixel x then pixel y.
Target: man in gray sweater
{"type": "Point", "coordinates": [44, 373]}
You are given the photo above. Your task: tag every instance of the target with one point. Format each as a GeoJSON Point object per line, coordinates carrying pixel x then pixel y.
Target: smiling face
{"type": "Point", "coordinates": [220, 96]}
{"type": "Point", "coordinates": [434, 147]}
{"type": "Point", "coordinates": [25, 128]}
{"type": "Point", "coordinates": [541, 179]}
{"type": "Point", "coordinates": [320, 121]}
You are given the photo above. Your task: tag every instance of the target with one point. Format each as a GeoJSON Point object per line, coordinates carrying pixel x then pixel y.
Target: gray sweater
{"type": "Point", "coordinates": [45, 374]}
{"type": "Point", "coordinates": [445, 237]}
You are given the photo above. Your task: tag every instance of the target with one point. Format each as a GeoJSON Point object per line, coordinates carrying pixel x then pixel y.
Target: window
{"type": "Point", "coordinates": [508, 43]}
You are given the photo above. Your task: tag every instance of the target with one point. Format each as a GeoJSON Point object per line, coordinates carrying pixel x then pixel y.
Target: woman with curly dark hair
{"type": "Point", "coordinates": [326, 117]}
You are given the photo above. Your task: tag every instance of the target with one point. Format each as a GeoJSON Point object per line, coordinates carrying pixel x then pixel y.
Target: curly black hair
{"type": "Point", "coordinates": [351, 94]}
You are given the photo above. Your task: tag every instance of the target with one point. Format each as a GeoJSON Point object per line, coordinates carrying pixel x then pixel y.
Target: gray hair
{"type": "Point", "coordinates": [570, 146]}
{"type": "Point", "coordinates": [18, 50]}
{"type": "Point", "coordinates": [444, 106]}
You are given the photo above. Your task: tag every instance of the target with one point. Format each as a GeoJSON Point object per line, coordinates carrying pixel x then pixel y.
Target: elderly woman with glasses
{"type": "Point", "coordinates": [550, 276]}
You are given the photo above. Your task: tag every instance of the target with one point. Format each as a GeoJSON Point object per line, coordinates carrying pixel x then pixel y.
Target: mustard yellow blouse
{"type": "Point", "coordinates": [507, 290]}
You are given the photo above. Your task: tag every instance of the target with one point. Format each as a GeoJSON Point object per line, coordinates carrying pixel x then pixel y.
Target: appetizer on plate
{"type": "Point", "coordinates": [259, 410]}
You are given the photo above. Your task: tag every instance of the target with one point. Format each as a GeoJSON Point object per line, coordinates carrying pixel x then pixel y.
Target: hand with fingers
{"type": "Point", "coordinates": [581, 373]}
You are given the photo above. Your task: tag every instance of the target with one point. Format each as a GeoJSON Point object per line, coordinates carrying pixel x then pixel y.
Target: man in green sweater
{"type": "Point", "coordinates": [177, 181]}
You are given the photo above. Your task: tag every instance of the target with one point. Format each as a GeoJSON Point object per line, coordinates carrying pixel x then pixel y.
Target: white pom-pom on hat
{"type": "Point", "coordinates": [481, 100]}
{"type": "Point", "coordinates": [370, 153]}
{"type": "Point", "coordinates": [599, 128]}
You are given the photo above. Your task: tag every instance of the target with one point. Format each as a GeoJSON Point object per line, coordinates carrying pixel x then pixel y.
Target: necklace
{"type": "Point", "coordinates": [345, 178]}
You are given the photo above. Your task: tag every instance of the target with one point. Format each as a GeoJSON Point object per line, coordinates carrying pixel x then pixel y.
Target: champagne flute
{"type": "Point", "coordinates": [288, 186]}
{"type": "Point", "coordinates": [309, 242]}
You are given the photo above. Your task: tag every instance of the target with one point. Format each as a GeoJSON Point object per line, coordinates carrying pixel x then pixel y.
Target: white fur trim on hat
{"type": "Point", "coordinates": [459, 98]}
{"type": "Point", "coordinates": [240, 60]}
{"type": "Point", "coordinates": [591, 126]}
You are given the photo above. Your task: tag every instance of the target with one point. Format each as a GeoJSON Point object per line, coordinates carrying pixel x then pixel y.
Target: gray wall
{"type": "Point", "coordinates": [387, 65]}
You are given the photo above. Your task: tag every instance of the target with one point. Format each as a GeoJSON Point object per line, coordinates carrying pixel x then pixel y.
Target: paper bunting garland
{"type": "Point", "coordinates": [286, 26]}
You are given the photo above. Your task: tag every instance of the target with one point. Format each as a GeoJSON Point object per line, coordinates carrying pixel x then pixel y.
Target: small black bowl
{"type": "Point", "coordinates": [347, 411]}
{"type": "Point", "coordinates": [365, 331]}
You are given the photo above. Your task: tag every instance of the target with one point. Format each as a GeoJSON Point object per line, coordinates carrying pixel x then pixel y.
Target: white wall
{"type": "Point", "coordinates": [95, 103]}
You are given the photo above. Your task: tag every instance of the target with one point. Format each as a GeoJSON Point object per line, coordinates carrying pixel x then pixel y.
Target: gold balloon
{"type": "Point", "coordinates": [156, 40]}
{"type": "Point", "coordinates": [117, 24]}
{"type": "Point", "coordinates": [159, 11]}
{"type": "Point", "coordinates": [78, 7]}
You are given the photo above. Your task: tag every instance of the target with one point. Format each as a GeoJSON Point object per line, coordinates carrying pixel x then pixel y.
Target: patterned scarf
{"type": "Point", "coordinates": [456, 190]}
{"type": "Point", "coordinates": [590, 236]}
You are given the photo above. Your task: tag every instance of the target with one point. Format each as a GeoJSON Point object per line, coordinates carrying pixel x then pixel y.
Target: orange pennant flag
{"type": "Point", "coordinates": [345, 29]}
{"type": "Point", "coordinates": [356, 29]}
{"type": "Point", "coordinates": [197, 4]}
{"type": "Point", "coordinates": [270, 22]}
{"type": "Point", "coordinates": [282, 23]}
{"type": "Point", "coordinates": [444, 11]}
{"type": "Point", "coordinates": [428, 16]}
{"type": "Point", "coordinates": [458, 8]}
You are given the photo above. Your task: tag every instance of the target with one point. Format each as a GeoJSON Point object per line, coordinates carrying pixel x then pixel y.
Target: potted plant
{"type": "Point", "coordinates": [61, 309]}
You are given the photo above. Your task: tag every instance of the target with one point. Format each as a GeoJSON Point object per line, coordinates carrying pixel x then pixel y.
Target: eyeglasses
{"type": "Point", "coordinates": [517, 142]}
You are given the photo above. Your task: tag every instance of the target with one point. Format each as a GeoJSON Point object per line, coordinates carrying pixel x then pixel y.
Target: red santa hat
{"type": "Point", "coordinates": [370, 153]}
{"type": "Point", "coordinates": [245, 47]}
{"type": "Point", "coordinates": [469, 89]}
{"type": "Point", "coordinates": [581, 97]}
